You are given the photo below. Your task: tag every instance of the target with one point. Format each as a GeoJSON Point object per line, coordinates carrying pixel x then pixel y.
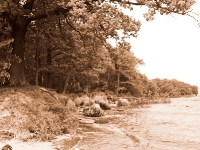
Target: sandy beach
{"type": "Point", "coordinates": [154, 127]}
{"type": "Point", "coordinates": [91, 136]}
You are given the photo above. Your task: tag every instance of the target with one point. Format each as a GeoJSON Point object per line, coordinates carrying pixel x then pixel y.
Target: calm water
{"type": "Point", "coordinates": [174, 126]}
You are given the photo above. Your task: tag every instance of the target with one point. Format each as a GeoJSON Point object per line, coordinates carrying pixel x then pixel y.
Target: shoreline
{"type": "Point", "coordinates": [92, 135]}
{"type": "Point", "coordinates": [105, 135]}
{"type": "Point", "coordinates": [88, 133]}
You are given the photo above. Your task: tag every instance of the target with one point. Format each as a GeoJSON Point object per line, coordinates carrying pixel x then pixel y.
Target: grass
{"type": "Point", "coordinates": [34, 114]}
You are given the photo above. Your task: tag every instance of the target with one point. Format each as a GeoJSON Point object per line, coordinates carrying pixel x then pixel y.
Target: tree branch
{"type": "Point", "coordinates": [194, 19]}
{"type": "Point", "coordinates": [127, 2]}
{"type": "Point", "coordinates": [67, 21]}
{"type": "Point", "coordinates": [46, 14]}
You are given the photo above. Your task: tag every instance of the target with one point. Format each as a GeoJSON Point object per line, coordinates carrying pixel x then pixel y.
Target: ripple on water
{"type": "Point", "coordinates": [169, 126]}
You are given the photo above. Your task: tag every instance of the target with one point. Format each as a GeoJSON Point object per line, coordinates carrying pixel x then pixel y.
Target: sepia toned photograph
{"type": "Point", "coordinates": [99, 75]}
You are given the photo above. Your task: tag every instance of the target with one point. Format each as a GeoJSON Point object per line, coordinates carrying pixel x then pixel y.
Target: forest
{"type": "Point", "coordinates": [63, 45]}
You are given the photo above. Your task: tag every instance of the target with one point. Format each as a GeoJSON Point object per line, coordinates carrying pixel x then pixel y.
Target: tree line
{"type": "Point", "coordinates": [170, 88]}
{"type": "Point", "coordinates": [63, 45]}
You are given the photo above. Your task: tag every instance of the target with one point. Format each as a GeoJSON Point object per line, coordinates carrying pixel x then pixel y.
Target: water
{"type": "Point", "coordinates": [174, 126]}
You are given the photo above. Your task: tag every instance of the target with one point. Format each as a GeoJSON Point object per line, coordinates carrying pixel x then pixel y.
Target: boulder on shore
{"type": "Point", "coordinates": [93, 111]}
{"type": "Point", "coordinates": [123, 102]}
{"type": "Point", "coordinates": [83, 101]}
{"type": "Point", "coordinates": [99, 98]}
{"type": "Point", "coordinates": [104, 106]}
{"type": "Point", "coordinates": [71, 106]}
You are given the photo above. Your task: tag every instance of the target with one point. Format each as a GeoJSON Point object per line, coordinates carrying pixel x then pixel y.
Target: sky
{"type": "Point", "coordinates": [169, 46]}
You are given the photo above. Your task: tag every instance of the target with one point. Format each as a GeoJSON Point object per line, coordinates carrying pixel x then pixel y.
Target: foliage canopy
{"type": "Point", "coordinates": [63, 44]}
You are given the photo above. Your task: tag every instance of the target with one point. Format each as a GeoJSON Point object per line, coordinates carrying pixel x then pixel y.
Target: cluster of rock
{"type": "Point", "coordinates": [95, 105]}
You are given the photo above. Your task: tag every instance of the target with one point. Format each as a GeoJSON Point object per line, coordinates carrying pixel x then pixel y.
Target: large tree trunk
{"type": "Point", "coordinates": [37, 59]}
{"type": "Point", "coordinates": [48, 75]}
{"type": "Point", "coordinates": [118, 83]}
{"type": "Point", "coordinates": [67, 80]}
{"type": "Point", "coordinates": [118, 78]}
{"type": "Point", "coordinates": [19, 28]}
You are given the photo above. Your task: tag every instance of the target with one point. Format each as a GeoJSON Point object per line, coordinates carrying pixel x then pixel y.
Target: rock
{"type": "Point", "coordinates": [97, 105]}
{"type": "Point", "coordinates": [71, 106]}
{"type": "Point", "coordinates": [7, 147]}
{"type": "Point", "coordinates": [115, 100]}
{"type": "Point", "coordinates": [111, 99]}
{"type": "Point", "coordinates": [99, 98]}
{"type": "Point", "coordinates": [78, 101]}
{"type": "Point", "coordinates": [83, 101]}
{"type": "Point", "coordinates": [93, 111]}
{"type": "Point", "coordinates": [87, 102]}
{"type": "Point", "coordinates": [104, 106]}
{"type": "Point", "coordinates": [123, 102]}
{"type": "Point", "coordinates": [113, 105]}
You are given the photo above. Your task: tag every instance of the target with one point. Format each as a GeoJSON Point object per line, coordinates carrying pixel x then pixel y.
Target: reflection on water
{"type": "Point", "coordinates": [174, 126]}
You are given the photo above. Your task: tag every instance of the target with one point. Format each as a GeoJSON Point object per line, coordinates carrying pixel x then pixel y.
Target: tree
{"type": "Point", "coordinates": [174, 88]}
{"type": "Point", "coordinates": [82, 16]}
{"type": "Point", "coordinates": [125, 65]}
{"type": "Point", "coordinates": [195, 90]}
{"type": "Point", "coordinates": [62, 53]}
{"type": "Point", "coordinates": [5, 51]}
